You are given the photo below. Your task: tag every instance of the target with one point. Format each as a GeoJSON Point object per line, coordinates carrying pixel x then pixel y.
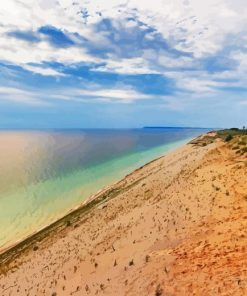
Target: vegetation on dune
{"type": "Point", "coordinates": [231, 132]}
{"type": "Point", "coordinates": [237, 139]}
{"type": "Point", "coordinates": [228, 138]}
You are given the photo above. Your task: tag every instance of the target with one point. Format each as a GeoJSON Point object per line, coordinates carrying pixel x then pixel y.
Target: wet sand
{"type": "Point", "coordinates": [177, 226]}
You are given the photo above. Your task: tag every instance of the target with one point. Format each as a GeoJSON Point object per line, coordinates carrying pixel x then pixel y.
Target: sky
{"type": "Point", "coordinates": [123, 64]}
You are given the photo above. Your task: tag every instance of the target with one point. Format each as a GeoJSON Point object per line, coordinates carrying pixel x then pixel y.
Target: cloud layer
{"type": "Point", "coordinates": [167, 52]}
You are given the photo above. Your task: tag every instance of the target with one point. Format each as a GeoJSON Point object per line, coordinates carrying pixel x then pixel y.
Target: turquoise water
{"type": "Point", "coordinates": [46, 174]}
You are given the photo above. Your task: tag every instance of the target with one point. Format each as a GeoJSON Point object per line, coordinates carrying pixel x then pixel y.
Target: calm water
{"type": "Point", "coordinates": [44, 174]}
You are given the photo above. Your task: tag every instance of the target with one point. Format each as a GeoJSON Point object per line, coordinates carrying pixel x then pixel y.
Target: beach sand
{"type": "Point", "coordinates": [177, 226]}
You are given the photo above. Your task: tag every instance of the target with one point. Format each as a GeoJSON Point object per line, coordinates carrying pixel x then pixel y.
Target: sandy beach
{"type": "Point", "coordinates": [176, 226]}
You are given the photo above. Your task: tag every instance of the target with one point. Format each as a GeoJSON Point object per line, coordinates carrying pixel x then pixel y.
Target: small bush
{"type": "Point", "coordinates": [131, 262]}
{"type": "Point", "coordinates": [241, 143]}
{"type": "Point", "coordinates": [244, 150]}
{"type": "Point", "coordinates": [158, 291]}
{"type": "Point", "coordinates": [229, 138]}
{"type": "Point", "coordinates": [147, 258]}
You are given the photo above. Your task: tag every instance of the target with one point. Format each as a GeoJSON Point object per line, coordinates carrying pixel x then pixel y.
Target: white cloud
{"type": "Point", "coordinates": [42, 71]}
{"type": "Point", "coordinates": [199, 85]}
{"type": "Point", "coordinates": [202, 28]}
{"type": "Point", "coordinates": [124, 94]}
{"type": "Point", "coordinates": [94, 93]}
{"type": "Point", "coordinates": [19, 95]}
{"type": "Point", "coordinates": [20, 53]}
{"type": "Point", "coordinates": [120, 95]}
{"type": "Point", "coordinates": [127, 66]}
{"type": "Point", "coordinates": [203, 25]}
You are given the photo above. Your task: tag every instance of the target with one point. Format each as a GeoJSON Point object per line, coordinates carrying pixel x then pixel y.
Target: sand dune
{"type": "Point", "coordinates": [177, 226]}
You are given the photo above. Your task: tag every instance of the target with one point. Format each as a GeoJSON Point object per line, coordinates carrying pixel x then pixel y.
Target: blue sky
{"type": "Point", "coordinates": [123, 63]}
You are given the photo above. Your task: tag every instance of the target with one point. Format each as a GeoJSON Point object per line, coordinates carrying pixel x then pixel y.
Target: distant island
{"type": "Point", "coordinates": [175, 127]}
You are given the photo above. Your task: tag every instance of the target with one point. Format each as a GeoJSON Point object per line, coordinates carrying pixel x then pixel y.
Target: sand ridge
{"type": "Point", "coordinates": [178, 228]}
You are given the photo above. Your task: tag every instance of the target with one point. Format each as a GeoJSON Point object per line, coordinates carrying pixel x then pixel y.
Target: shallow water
{"type": "Point", "coordinates": [44, 174]}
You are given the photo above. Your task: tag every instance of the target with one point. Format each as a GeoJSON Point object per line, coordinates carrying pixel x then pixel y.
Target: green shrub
{"type": "Point", "coordinates": [229, 138]}
{"type": "Point", "coordinates": [241, 143]}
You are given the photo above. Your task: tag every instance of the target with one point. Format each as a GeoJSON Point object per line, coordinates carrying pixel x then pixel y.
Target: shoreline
{"type": "Point", "coordinates": [175, 226]}
{"type": "Point", "coordinates": [122, 166]}
{"type": "Point", "coordinates": [9, 254]}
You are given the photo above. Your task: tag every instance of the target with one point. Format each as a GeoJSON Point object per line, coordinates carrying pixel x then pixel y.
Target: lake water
{"type": "Point", "coordinates": [44, 174]}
